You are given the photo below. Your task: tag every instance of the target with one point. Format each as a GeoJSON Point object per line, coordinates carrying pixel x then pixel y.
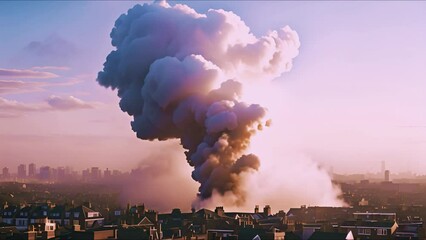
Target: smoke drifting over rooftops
{"type": "Point", "coordinates": [180, 74]}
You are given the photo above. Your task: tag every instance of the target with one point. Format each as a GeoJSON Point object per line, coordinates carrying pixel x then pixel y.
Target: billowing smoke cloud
{"type": "Point", "coordinates": [179, 74]}
{"type": "Point", "coordinates": [161, 180]}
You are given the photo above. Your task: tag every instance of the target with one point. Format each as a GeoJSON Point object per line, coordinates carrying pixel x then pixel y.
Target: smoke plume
{"type": "Point", "coordinates": [179, 73]}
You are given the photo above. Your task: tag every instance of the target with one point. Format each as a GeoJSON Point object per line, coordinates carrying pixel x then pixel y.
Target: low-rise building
{"type": "Point", "coordinates": [372, 226]}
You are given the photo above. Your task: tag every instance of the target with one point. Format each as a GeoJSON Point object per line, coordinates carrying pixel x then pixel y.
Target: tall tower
{"type": "Point", "coordinates": [31, 170]}
{"type": "Point", "coordinates": [387, 174]}
{"type": "Point", "coordinates": [45, 173]}
{"type": "Point", "coordinates": [22, 171]}
{"type": "Point", "coordinates": [5, 173]}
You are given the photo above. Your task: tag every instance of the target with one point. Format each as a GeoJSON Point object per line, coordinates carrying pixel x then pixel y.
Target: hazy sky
{"type": "Point", "coordinates": [355, 96]}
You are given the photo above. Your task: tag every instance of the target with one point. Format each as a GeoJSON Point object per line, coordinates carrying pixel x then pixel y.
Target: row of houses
{"type": "Point", "coordinates": [50, 216]}
{"type": "Point", "coordinates": [136, 222]}
{"type": "Point", "coordinates": [313, 223]}
{"type": "Point", "coordinates": [44, 219]}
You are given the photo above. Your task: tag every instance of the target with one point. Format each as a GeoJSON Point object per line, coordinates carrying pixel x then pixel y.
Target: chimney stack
{"type": "Point", "coordinates": [256, 209]}
{"type": "Point", "coordinates": [219, 211]}
{"type": "Point", "coordinates": [267, 210]}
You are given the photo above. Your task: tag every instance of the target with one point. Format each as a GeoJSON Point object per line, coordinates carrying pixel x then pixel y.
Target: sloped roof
{"type": "Point", "coordinates": [39, 212]}
{"type": "Point", "coordinates": [257, 216]}
{"type": "Point", "coordinates": [85, 210]}
{"type": "Point", "coordinates": [328, 236]}
{"type": "Point", "coordinates": [408, 228]}
{"type": "Point", "coordinates": [369, 224]}
{"type": "Point", "coordinates": [205, 212]}
{"type": "Point", "coordinates": [12, 209]}
{"type": "Point", "coordinates": [219, 224]}
{"type": "Point", "coordinates": [58, 209]}
{"type": "Point", "coordinates": [145, 222]}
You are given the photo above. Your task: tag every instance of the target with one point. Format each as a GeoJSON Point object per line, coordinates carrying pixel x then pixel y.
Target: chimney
{"type": "Point", "coordinates": [256, 209]}
{"type": "Point", "coordinates": [267, 210]}
{"type": "Point", "coordinates": [219, 211]}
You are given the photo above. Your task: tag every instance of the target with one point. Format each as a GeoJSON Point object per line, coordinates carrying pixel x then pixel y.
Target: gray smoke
{"type": "Point", "coordinates": [179, 74]}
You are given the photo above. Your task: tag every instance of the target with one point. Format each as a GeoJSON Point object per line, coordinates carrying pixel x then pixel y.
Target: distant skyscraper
{"type": "Point", "coordinates": [5, 172]}
{"type": "Point", "coordinates": [22, 171]}
{"type": "Point", "coordinates": [61, 173]}
{"type": "Point", "coordinates": [45, 173]}
{"type": "Point", "coordinates": [53, 174]}
{"type": "Point", "coordinates": [96, 173]}
{"type": "Point", "coordinates": [86, 174]}
{"type": "Point", "coordinates": [387, 174]}
{"type": "Point", "coordinates": [32, 170]}
{"type": "Point", "coordinates": [107, 173]}
{"type": "Point", "coordinates": [116, 173]}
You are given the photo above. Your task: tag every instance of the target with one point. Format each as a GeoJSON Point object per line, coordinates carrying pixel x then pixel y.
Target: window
{"type": "Point", "coordinates": [22, 222]}
{"type": "Point", "coordinates": [381, 231]}
{"type": "Point", "coordinates": [364, 231]}
{"type": "Point", "coordinates": [93, 214]}
{"type": "Point", "coordinates": [76, 214]}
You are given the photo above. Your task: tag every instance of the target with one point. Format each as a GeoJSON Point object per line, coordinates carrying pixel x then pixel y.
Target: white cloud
{"type": "Point", "coordinates": [25, 73]}
{"type": "Point", "coordinates": [58, 68]}
{"type": "Point", "coordinates": [16, 86]}
{"type": "Point", "coordinates": [12, 108]}
{"type": "Point", "coordinates": [67, 103]}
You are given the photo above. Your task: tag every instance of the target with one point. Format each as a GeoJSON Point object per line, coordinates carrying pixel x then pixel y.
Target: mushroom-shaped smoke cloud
{"type": "Point", "coordinates": [180, 73]}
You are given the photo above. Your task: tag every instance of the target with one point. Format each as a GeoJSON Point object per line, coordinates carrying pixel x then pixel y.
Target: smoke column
{"type": "Point", "coordinates": [180, 73]}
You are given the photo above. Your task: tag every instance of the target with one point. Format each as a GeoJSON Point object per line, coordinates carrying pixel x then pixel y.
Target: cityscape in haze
{"type": "Point", "coordinates": [212, 120]}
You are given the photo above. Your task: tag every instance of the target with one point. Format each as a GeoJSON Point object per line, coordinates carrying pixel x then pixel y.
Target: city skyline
{"type": "Point", "coordinates": [312, 87]}
{"type": "Point", "coordinates": [389, 128]}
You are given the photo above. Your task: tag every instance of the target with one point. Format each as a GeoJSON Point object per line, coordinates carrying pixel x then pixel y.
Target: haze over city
{"type": "Point", "coordinates": [346, 93]}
